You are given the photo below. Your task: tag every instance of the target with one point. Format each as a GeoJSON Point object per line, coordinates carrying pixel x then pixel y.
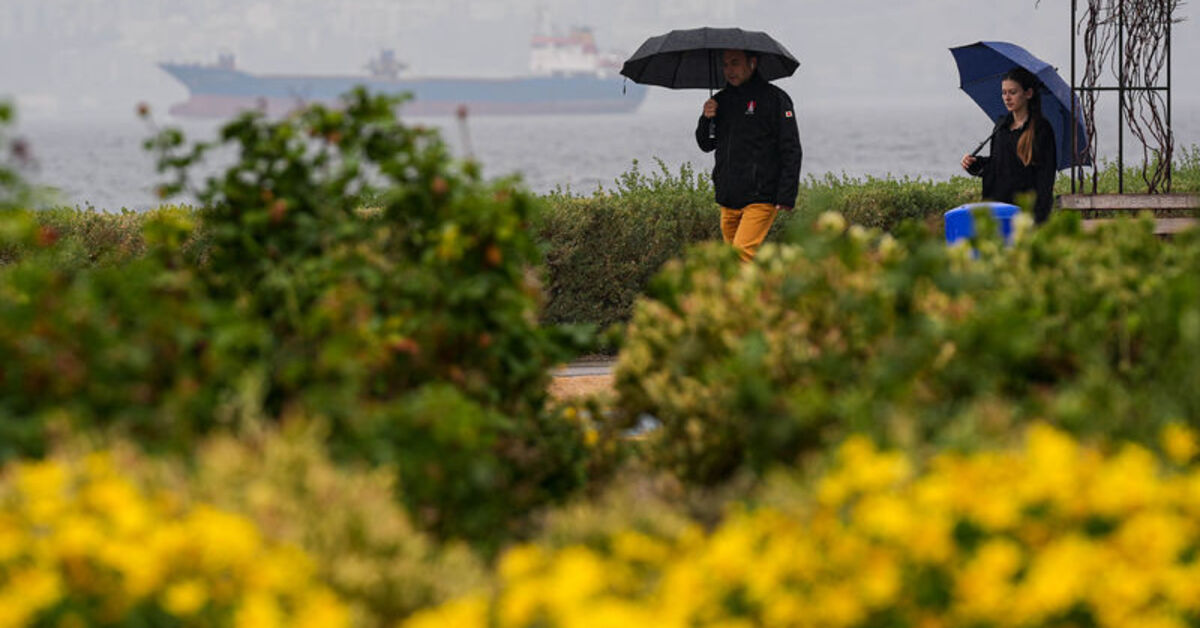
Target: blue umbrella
{"type": "Point", "coordinates": [981, 68]}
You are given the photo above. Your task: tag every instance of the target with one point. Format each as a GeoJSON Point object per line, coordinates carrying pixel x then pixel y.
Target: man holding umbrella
{"type": "Point", "coordinates": [758, 152]}
{"type": "Point", "coordinates": [750, 123]}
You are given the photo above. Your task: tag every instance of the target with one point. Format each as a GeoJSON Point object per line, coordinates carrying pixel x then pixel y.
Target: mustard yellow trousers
{"type": "Point", "coordinates": [746, 228]}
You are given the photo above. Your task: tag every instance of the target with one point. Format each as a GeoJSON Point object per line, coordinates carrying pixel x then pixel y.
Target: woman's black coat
{"type": "Point", "coordinates": [1005, 177]}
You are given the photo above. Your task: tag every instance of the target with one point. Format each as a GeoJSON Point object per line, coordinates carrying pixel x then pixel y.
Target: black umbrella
{"type": "Point", "coordinates": [691, 58]}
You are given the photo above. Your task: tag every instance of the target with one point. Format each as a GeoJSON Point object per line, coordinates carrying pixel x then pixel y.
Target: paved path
{"type": "Point", "coordinates": [587, 367]}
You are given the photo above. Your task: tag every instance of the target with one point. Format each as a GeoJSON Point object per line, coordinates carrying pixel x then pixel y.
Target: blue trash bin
{"type": "Point", "coordinates": [960, 222]}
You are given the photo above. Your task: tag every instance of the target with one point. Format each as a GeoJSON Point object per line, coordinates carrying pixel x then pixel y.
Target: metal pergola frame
{"type": "Point", "coordinates": [1121, 88]}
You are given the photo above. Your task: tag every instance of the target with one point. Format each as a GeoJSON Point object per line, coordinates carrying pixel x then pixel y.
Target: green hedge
{"type": "Point", "coordinates": [600, 250]}
{"type": "Point", "coordinates": [846, 330]}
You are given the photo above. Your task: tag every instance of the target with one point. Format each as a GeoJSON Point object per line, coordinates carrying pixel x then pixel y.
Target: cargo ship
{"type": "Point", "coordinates": [568, 75]}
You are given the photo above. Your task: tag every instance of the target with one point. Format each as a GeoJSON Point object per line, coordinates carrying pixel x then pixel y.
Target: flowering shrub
{"type": "Point", "coordinates": [361, 540]}
{"type": "Point", "coordinates": [81, 545]}
{"type": "Point", "coordinates": [88, 347]}
{"type": "Point", "coordinates": [379, 263]}
{"type": "Point", "coordinates": [343, 266]}
{"type": "Point", "coordinates": [849, 330]}
{"type": "Point", "coordinates": [1052, 533]}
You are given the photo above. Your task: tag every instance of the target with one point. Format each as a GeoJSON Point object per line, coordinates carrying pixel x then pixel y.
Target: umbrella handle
{"type": "Point", "coordinates": [975, 153]}
{"type": "Point", "coordinates": [712, 123]}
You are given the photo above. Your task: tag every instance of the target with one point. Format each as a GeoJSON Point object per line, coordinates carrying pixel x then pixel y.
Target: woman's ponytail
{"type": "Point", "coordinates": [1029, 137]}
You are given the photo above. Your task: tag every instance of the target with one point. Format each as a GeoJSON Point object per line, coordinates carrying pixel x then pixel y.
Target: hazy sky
{"type": "Point", "coordinates": [97, 57]}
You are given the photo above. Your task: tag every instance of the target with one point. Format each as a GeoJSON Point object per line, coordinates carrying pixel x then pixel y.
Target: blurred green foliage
{"type": "Point", "coordinates": [411, 326]}
{"type": "Point", "coordinates": [845, 330]}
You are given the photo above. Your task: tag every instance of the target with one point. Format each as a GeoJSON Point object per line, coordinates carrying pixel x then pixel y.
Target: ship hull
{"type": "Point", "coordinates": [221, 92]}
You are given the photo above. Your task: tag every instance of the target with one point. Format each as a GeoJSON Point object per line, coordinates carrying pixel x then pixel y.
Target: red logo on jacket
{"type": "Point", "coordinates": [750, 108]}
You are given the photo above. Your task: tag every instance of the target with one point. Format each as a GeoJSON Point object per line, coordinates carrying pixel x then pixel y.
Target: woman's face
{"type": "Point", "coordinates": [1015, 97]}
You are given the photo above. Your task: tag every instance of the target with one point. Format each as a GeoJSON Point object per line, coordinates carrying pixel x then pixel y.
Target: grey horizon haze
{"type": "Point", "coordinates": [97, 58]}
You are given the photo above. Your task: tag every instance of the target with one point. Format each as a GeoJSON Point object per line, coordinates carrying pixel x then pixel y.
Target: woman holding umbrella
{"type": "Point", "coordinates": [1023, 156]}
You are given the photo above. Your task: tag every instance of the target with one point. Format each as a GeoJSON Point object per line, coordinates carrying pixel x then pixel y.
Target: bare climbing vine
{"type": "Point", "coordinates": [1127, 41]}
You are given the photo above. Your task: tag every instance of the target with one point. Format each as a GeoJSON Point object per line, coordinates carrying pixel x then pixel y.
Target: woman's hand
{"type": "Point", "coordinates": [967, 162]}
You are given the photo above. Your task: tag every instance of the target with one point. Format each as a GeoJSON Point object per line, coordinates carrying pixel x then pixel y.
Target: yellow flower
{"type": "Point", "coordinates": [90, 533]}
{"type": "Point", "coordinates": [521, 561]}
{"type": "Point", "coordinates": [931, 539]}
{"type": "Point", "coordinates": [142, 572]}
{"type": "Point", "coordinates": [521, 603]}
{"type": "Point", "coordinates": [1054, 461]}
{"type": "Point", "coordinates": [1058, 577]}
{"type": "Point", "coordinates": [465, 612]}
{"type": "Point", "coordinates": [1119, 590]}
{"type": "Point", "coordinates": [884, 516]}
{"type": "Point", "coordinates": [1182, 587]}
{"type": "Point", "coordinates": [1152, 539]}
{"type": "Point", "coordinates": [185, 598]}
{"type": "Point", "coordinates": [321, 609]}
{"type": "Point", "coordinates": [837, 605]}
{"type": "Point", "coordinates": [610, 613]}
{"type": "Point", "coordinates": [1125, 483]}
{"type": "Point", "coordinates": [865, 468]}
{"type": "Point", "coordinates": [577, 575]}
{"type": "Point", "coordinates": [222, 540]}
{"type": "Point", "coordinates": [78, 536]}
{"type": "Point", "coordinates": [681, 592]}
{"type": "Point", "coordinates": [833, 490]}
{"type": "Point", "coordinates": [11, 538]}
{"type": "Point", "coordinates": [783, 609]}
{"type": "Point", "coordinates": [38, 480]}
{"type": "Point", "coordinates": [1057, 526]}
{"type": "Point", "coordinates": [984, 586]}
{"type": "Point", "coordinates": [831, 221]}
{"type": "Point", "coordinates": [729, 554]}
{"type": "Point", "coordinates": [880, 580]}
{"type": "Point", "coordinates": [44, 486]}
{"type": "Point", "coordinates": [258, 611]}
{"type": "Point", "coordinates": [1179, 443]}
{"type": "Point", "coordinates": [14, 612]}
{"type": "Point", "coordinates": [118, 501]}
{"type": "Point", "coordinates": [634, 546]}
{"type": "Point", "coordinates": [282, 570]}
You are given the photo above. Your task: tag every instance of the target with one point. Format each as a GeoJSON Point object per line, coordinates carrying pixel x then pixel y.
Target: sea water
{"type": "Point", "coordinates": [104, 165]}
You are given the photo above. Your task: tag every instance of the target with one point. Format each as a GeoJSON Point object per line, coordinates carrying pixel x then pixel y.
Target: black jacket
{"type": "Point", "coordinates": [1005, 177]}
{"type": "Point", "coordinates": [758, 145]}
